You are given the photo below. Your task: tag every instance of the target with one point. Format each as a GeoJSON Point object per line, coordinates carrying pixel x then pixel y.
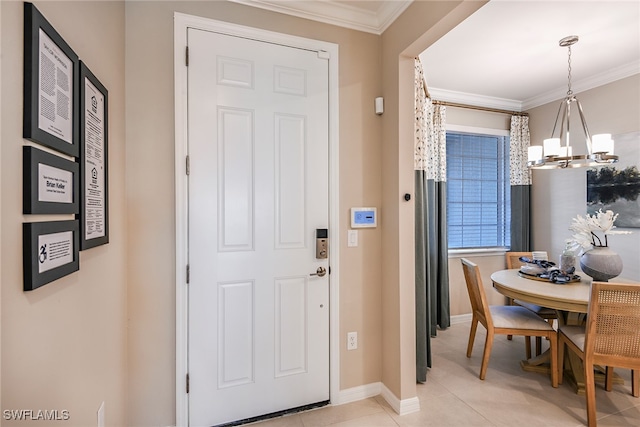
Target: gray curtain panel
{"type": "Point", "coordinates": [431, 254]}
{"type": "Point", "coordinates": [520, 218]}
{"type": "Point", "coordinates": [432, 267]}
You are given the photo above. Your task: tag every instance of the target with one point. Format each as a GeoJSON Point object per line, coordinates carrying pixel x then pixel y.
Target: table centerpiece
{"type": "Point", "coordinates": [597, 260]}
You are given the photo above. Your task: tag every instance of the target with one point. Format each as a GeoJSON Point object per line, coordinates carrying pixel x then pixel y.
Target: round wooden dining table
{"type": "Point", "coordinates": [570, 300]}
{"type": "Point", "coordinates": [570, 297]}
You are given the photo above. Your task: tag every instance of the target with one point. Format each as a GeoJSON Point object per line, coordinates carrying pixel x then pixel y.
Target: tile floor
{"type": "Point", "coordinates": [454, 395]}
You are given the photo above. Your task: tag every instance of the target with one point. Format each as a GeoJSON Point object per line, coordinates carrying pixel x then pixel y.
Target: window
{"type": "Point", "coordinates": [478, 191]}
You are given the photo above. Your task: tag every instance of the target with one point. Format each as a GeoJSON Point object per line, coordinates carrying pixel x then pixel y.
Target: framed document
{"type": "Point", "coordinates": [94, 172]}
{"type": "Point", "coordinates": [50, 251]}
{"type": "Point", "coordinates": [50, 183]}
{"type": "Point", "coordinates": [50, 86]}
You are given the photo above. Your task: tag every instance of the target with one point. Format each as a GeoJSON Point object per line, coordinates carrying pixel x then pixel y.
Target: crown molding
{"type": "Point", "coordinates": [557, 94]}
{"type": "Point", "coordinates": [335, 13]}
{"type": "Point", "coordinates": [588, 83]}
{"type": "Point", "coordinates": [475, 100]}
{"type": "Point", "coordinates": [389, 12]}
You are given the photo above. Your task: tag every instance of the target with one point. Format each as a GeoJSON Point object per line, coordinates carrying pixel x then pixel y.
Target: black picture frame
{"type": "Point", "coordinates": [55, 101]}
{"type": "Point", "coordinates": [45, 183]}
{"type": "Point", "coordinates": [94, 155]}
{"type": "Point", "coordinates": [42, 241]}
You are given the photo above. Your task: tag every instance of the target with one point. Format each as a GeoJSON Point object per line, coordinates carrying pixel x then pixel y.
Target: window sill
{"type": "Point", "coordinates": [460, 253]}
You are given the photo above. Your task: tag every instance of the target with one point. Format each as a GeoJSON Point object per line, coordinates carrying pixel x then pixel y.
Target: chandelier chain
{"type": "Point", "coordinates": [569, 91]}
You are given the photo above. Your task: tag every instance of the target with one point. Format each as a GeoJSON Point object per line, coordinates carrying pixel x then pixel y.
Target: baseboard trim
{"type": "Point", "coordinates": [356, 393]}
{"type": "Point", "coordinates": [402, 407]}
{"type": "Point", "coordinates": [460, 318]}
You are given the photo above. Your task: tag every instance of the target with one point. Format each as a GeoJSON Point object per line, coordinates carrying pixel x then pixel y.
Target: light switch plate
{"type": "Point", "coordinates": [352, 238]}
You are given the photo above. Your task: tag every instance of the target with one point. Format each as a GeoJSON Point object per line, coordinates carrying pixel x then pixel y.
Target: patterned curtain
{"type": "Point", "coordinates": [432, 262]}
{"type": "Point", "coordinates": [520, 180]}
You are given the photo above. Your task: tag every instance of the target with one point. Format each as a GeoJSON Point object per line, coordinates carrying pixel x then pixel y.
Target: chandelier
{"type": "Point", "coordinates": [556, 152]}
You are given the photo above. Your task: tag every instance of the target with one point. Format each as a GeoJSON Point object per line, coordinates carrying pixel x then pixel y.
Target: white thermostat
{"type": "Point", "coordinates": [364, 217]}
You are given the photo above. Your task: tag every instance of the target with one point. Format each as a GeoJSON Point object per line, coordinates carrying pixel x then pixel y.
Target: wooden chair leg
{"type": "Point", "coordinates": [486, 354]}
{"type": "Point", "coordinates": [553, 346]}
{"type": "Point", "coordinates": [538, 346]}
{"type": "Point", "coordinates": [527, 346]}
{"type": "Point", "coordinates": [472, 335]}
{"type": "Point", "coordinates": [510, 302]}
{"type": "Point", "coordinates": [560, 359]}
{"type": "Point", "coordinates": [635, 382]}
{"type": "Point", "coordinates": [590, 392]}
{"type": "Point", "coordinates": [608, 378]}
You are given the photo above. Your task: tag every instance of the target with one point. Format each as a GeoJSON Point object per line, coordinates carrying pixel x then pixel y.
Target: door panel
{"type": "Point", "coordinates": [235, 334]}
{"type": "Point", "coordinates": [258, 190]}
{"type": "Point", "coordinates": [235, 179]}
{"type": "Point", "coordinates": [290, 183]}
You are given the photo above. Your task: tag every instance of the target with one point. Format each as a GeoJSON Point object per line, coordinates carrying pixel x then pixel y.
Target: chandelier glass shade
{"type": "Point", "coordinates": [556, 152]}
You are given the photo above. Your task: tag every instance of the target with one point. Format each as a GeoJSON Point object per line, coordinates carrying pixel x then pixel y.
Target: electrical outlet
{"type": "Point", "coordinates": [352, 340]}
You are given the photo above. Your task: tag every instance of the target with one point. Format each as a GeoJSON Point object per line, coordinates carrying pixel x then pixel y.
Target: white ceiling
{"type": "Point", "coordinates": [506, 55]}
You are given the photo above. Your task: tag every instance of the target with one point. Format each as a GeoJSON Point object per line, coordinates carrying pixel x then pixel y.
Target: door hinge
{"type": "Point", "coordinates": [187, 383]}
{"type": "Point", "coordinates": [188, 273]}
{"type": "Point", "coordinates": [188, 165]}
{"type": "Point", "coordinates": [186, 56]}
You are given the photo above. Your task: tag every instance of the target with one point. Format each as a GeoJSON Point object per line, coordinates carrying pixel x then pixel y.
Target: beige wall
{"type": "Point", "coordinates": [67, 346]}
{"type": "Point", "coordinates": [560, 195]}
{"type": "Point", "coordinates": [150, 194]}
{"type": "Point", "coordinates": [478, 118]}
{"type": "Point", "coordinates": [64, 345]}
{"type": "Point", "coordinates": [459, 298]}
{"type": "Point", "coordinates": [416, 29]}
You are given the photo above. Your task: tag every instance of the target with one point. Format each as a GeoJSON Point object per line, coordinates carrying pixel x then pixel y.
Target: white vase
{"type": "Point", "coordinates": [601, 263]}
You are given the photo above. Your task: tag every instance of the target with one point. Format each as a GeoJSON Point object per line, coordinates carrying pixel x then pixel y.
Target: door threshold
{"type": "Point", "coordinates": [275, 414]}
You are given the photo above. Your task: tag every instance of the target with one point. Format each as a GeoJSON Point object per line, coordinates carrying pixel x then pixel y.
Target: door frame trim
{"type": "Point", "coordinates": [181, 23]}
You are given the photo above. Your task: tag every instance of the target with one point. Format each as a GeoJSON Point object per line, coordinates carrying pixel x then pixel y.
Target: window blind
{"type": "Point", "coordinates": [478, 193]}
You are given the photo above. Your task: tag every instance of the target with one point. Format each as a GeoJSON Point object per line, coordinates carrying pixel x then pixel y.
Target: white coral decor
{"type": "Point", "coordinates": [585, 229]}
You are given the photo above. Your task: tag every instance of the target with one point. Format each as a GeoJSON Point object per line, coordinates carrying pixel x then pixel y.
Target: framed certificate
{"type": "Point", "coordinates": [50, 251]}
{"type": "Point", "coordinates": [50, 86]}
{"type": "Point", "coordinates": [94, 171]}
{"type": "Point", "coordinates": [49, 183]}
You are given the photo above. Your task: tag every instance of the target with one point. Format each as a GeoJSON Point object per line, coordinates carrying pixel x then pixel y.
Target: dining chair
{"type": "Point", "coordinates": [611, 338]}
{"type": "Point", "coordinates": [513, 261]}
{"type": "Point", "coordinates": [503, 320]}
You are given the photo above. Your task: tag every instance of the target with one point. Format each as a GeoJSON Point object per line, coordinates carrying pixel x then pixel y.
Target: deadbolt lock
{"type": "Point", "coordinates": [322, 243]}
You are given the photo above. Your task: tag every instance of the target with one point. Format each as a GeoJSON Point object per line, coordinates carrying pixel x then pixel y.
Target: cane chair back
{"type": "Point", "coordinates": [610, 338]}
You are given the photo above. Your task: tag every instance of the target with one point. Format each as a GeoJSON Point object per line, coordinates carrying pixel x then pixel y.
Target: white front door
{"type": "Point", "coordinates": [258, 338]}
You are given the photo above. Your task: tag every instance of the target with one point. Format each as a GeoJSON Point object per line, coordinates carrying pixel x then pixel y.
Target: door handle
{"type": "Point", "coordinates": [321, 271]}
